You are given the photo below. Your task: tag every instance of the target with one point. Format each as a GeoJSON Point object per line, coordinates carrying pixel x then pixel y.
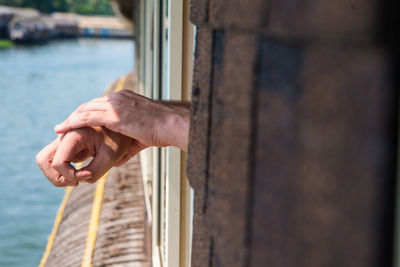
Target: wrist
{"type": "Point", "coordinates": [176, 126]}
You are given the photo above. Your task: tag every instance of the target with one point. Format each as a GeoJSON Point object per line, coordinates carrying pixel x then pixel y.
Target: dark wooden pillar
{"type": "Point", "coordinates": [293, 141]}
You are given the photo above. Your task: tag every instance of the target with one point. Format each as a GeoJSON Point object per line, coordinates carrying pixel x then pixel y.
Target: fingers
{"type": "Point", "coordinates": [45, 158]}
{"type": "Point", "coordinates": [101, 163]}
{"type": "Point", "coordinates": [106, 147]}
{"type": "Point", "coordinates": [82, 156]}
{"type": "Point", "coordinates": [74, 146]}
{"type": "Point", "coordinates": [93, 113]}
{"type": "Point", "coordinates": [112, 148]}
{"type": "Point", "coordinates": [120, 112]}
{"type": "Point", "coordinates": [82, 119]}
{"type": "Point", "coordinates": [102, 111]}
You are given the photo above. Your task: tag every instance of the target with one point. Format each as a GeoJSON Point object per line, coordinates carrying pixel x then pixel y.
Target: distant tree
{"type": "Point", "coordinates": [102, 7]}
{"type": "Point", "coordinates": [91, 6]}
{"type": "Point", "coordinates": [48, 6]}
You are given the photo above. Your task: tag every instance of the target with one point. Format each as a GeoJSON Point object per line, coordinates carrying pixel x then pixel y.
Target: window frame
{"type": "Point", "coordinates": [164, 170]}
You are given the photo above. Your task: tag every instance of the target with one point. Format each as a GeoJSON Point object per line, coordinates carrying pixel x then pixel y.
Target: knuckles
{"type": "Point", "coordinates": [39, 159]}
{"type": "Point", "coordinates": [56, 165]}
{"type": "Point", "coordinates": [81, 107]}
{"type": "Point", "coordinates": [123, 93]}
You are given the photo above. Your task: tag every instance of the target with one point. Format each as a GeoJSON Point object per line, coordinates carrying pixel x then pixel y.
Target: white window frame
{"type": "Point", "coordinates": [167, 165]}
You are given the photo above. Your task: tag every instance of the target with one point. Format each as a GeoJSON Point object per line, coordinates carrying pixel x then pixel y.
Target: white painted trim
{"type": "Point", "coordinates": [147, 66]}
{"type": "Point", "coordinates": [147, 49]}
{"type": "Point", "coordinates": [145, 164]}
{"type": "Point", "coordinates": [156, 186]}
{"type": "Point", "coordinates": [173, 155]}
{"type": "Point", "coordinates": [175, 19]}
{"type": "Point", "coordinates": [173, 190]}
{"type": "Point", "coordinates": [167, 162]}
{"type": "Point", "coordinates": [141, 67]}
{"type": "Point", "coordinates": [156, 257]}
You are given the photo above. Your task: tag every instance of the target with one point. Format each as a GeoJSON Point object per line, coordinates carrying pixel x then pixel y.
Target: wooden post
{"type": "Point", "coordinates": [294, 133]}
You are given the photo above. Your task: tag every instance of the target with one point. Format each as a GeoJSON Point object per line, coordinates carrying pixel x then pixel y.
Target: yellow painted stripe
{"type": "Point", "coordinates": [56, 224]}
{"type": "Point", "coordinates": [94, 223]}
{"type": "Point", "coordinates": [120, 84]}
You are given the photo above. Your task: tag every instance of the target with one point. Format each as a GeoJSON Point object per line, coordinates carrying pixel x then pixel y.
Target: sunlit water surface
{"type": "Point", "coordinates": [39, 87]}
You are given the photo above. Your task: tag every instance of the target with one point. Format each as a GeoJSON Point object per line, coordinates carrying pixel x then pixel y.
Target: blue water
{"type": "Point", "coordinates": [39, 87]}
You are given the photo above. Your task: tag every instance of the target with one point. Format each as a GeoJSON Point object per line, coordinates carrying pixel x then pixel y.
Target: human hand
{"type": "Point", "coordinates": [106, 147]}
{"type": "Point", "coordinates": [148, 122]}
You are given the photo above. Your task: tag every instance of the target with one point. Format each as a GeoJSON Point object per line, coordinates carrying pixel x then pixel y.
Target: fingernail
{"type": "Point", "coordinates": [57, 127]}
{"type": "Point", "coordinates": [83, 174]}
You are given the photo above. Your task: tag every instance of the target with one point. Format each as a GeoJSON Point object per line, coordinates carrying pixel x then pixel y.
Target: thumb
{"type": "Point", "coordinates": [135, 148]}
{"type": "Point", "coordinates": [97, 168]}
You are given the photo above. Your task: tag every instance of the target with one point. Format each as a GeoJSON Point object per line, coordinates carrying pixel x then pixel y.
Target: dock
{"type": "Point", "coordinates": [8, 13]}
{"type": "Point", "coordinates": [28, 25]}
{"type": "Point", "coordinates": [94, 26]}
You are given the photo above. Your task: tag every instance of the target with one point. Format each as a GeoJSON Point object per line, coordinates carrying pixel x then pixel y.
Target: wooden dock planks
{"type": "Point", "coordinates": [121, 234]}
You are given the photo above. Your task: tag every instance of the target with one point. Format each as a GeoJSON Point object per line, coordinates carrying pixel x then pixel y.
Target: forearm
{"type": "Point", "coordinates": [175, 125]}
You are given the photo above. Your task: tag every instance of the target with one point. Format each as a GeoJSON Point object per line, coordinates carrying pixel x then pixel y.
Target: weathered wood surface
{"type": "Point", "coordinates": [199, 130]}
{"type": "Point", "coordinates": [325, 162]}
{"type": "Point", "coordinates": [292, 149]}
{"type": "Point", "coordinates": [70, 240]}
{"type": "Point", "coordinates": [121, 239]}
{"type": "Point", "coordinates": [231, 126]}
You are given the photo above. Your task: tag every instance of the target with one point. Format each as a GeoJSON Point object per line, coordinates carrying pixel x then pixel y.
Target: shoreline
{"type": "Point", "coordinates": [30, 26]}
{"type": "Point", "coordinates": [6, 43]}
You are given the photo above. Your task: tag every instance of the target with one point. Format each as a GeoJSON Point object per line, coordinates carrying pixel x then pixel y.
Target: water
{"type": "Point", "coordinates": [39, 87]}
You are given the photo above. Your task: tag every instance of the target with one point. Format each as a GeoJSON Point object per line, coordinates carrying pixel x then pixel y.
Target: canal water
{"type": "Point", "coordinates": [39, 87]}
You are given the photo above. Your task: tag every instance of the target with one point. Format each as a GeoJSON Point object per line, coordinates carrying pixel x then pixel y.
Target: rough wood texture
{"type": "Point", "coordinates": [122, 233]}
{"type": "Point", "coordinates": [325, 166]}
{"type": "Point", "coordinates": [70, 240]}
{"type": "Point", "coordinates": [239, 14]}
{"type": "Point", "coordinates": [299, 168]}
{"type": "Point", "coordinates": [199, 149]}
{"type": "Point", "coordinates": [230, 145]}
{"type": "Point", "coordinates": [342, 19]}
{"type": "Point", "coordinates": [199, 11]}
